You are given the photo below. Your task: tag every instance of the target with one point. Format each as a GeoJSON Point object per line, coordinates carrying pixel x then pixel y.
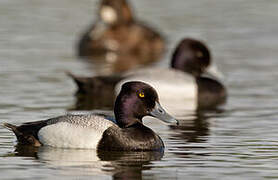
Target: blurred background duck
{"type": "Point", "coordinates": [117, 37]}
{"type": "Point", "coordinates": [191, 83]}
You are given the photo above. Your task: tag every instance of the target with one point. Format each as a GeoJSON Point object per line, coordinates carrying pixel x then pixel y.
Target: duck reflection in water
{"type": "Point", "coordinates": [192, 130]}
{"type": "Point", "coordinates": [192, 134]}
{"type": "Point", "coordinates": [118, 164]}
{"type": "Point", "coordinates": [118, 39]}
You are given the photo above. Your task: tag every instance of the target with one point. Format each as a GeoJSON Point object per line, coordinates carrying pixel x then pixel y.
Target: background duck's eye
{"type": "Point", "coordinates": [199, 54]}
{"type": "Point", "coordinates": [141, 95]}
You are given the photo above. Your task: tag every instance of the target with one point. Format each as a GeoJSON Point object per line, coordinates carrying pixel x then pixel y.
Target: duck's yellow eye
{"type": "Point", "coordinates": [141, 94]}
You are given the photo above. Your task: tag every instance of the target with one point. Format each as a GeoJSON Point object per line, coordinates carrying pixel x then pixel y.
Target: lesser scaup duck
{"type": "Point", "coordinates": [119, 37]}
{"type": "Point", "coordinates": [127, 133]}
{"type": "Point", "coordinates": [188, 80]}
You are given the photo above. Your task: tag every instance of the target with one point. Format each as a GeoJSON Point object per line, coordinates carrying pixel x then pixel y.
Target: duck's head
{"type": "Point", "coordinates": [136, 100]}
{"type": "Point", "coordinates": [191, 56]}
{"type": "Point", "coordinates": [113, 12]}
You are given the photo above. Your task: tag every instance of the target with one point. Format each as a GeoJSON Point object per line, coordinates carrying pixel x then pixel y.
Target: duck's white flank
{"type": "Point", "coordinates": [81, 132]}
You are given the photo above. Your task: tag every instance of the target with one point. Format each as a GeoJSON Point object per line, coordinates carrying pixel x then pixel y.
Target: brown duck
{"type": "Point", "coordinates": [118, 38]}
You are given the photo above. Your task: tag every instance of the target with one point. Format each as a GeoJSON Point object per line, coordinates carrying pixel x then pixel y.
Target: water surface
{"type": "Point", "coordinates": [241, 140]}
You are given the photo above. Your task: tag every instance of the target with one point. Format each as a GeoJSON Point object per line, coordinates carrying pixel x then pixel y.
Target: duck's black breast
{"type": "Point", "coordinates": [211, 93]}
{"type": "Point", "coordinates": [135, 138]}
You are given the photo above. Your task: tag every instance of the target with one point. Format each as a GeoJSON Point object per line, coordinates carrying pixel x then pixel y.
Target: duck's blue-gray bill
{"type": "Point", "coordinates": [159, 113]}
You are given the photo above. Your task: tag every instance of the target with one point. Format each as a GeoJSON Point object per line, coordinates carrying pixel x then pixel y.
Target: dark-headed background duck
{"type": "Point", "coordinates": [190, 84]}
{"type": "Point", "coordinates": [124, 133]}
{"type": "Point", "coordinates": [118, 38]}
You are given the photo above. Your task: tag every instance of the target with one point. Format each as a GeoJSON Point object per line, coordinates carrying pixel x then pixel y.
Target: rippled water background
{"type": "Point", "coordinates": [37, 46]}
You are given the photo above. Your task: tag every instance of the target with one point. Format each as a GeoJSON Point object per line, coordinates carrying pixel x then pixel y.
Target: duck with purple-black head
{"type": "Point", "coordinates": [124, 133]}
{"type": "Point", "coordinates": [191, 83]}
{"type": "Point", "coordinates": [118, 38]}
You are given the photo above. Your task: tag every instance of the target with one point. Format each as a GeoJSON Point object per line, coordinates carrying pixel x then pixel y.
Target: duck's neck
{"type": "Point", "coordinates": [124, 113]}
